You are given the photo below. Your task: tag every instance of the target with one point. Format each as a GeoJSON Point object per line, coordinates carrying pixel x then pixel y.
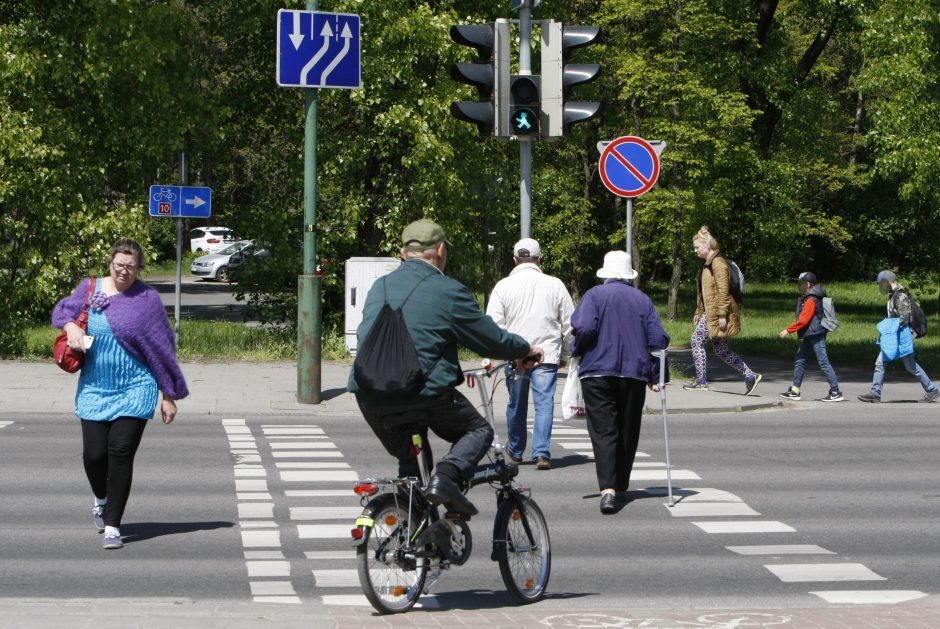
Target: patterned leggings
{"type": "Point", "coordinates": [721, 349]}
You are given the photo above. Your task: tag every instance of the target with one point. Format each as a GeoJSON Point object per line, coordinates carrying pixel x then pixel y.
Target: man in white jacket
{"type": "Point", "coordinates": [538, 308]}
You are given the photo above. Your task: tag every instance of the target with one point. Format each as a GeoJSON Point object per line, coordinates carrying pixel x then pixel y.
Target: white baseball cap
{"type": "Point", "coordinates": [527, 248]}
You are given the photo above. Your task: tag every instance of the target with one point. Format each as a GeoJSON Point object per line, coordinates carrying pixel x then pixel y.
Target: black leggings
{"type": "Point", "coordinates": [108, 454]}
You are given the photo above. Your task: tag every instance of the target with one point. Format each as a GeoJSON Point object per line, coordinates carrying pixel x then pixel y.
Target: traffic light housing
{"type": "Point", "coordinates": [524, 104]}
{"type": "Point", "coordinates": [558, 113]}
{"type": "Point", "coordinates": [490, 75]}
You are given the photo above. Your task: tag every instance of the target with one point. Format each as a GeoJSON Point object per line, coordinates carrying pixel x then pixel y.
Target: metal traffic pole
{"type": "Point", "coordinates": [525, 142]}
{"type": "Point", "coordinates": [661, 354]}
{"type": "Point", "coordinates": [309, 321]}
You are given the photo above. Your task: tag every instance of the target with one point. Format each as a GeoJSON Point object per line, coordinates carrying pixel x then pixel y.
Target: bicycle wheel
{"type": "Point", "coordinates": [390, 581]}
{"type": "Point", "coordinates": [523, 549]}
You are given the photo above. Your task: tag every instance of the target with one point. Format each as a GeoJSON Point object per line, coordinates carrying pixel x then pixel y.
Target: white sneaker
{"type": "Point", "coordinates": [112, 540]}
{"type": "Point", "coordinates": [97, 512]}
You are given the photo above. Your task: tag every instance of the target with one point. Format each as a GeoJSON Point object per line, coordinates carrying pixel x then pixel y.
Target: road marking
{"type": "Point", "coordinates": [298, 455]}
{"type": "Point", "coordinates": [5, 424]}
{"type": "Point", "coordinates": [330, 554]}
{"type": "Point", "coordinates": [318, 476]}
{"type": "Point", "coordinates": [323, 531]}
{"type": "Point", "coordinates": [315, 493]}
{"type": "Point", "coordinates": [711, 509]}
{"type": "Point", "coordinates": [781, 549]}
{"type": "Point", "coordinates": [869, 597]}
{"type": "Point", "coordinates": [695, 494]}
{"type": "Point", "coordinates": [808, 572]}
{"type": "Point", "coordinates": [292, 431]}
{"type": "Point", "coordinates": [253, 495]}
{"type": "Point", "coordinates": [296, 465]}
{"type": "Point", "coordinates": [271, 588]}
{"type": "Point", "coordinates": [264, 554]}
{"type": "Point", "coordinates": [257, 524]}
{"type": "Point", "coordinates": [303, 445]}
{"type": "Point", "coordinates": [661, 475]}
{"type": "Point", "coordinates": [256, 510]}
{"type": "Point", "coordinates": [289, 600]}
{"type": "Point", "coordinates": [761, 526]}
{"type": "Point", "coordinates": [324, 513]}
{"type": "Point", "coordinates": [268, 568]}
{"type": "Point", "coordinates": [336, 578]}
{"type": "Point", "coordinates": [251, 472]}
{"type": "Point", "coordinates": [251, 485]}
{"type": "Point", "coordinates": [261, 539]}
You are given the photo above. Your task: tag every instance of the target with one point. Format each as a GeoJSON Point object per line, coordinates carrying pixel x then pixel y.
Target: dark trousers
{"type": "Point", "coordinates": [614, 411]}
{"type": "Point", "coordinates": [451, 417]}
{"type": "Point", "coordinates": [108, 453]}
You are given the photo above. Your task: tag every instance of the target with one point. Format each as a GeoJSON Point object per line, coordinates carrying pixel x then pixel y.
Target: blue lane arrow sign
{"type": "Point", "coordinates": [180, 201]}
{"type": "Point", "coordinates": [318, 49]}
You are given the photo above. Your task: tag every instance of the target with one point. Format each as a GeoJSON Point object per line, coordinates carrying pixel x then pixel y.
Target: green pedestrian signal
{"type": "Point", "coordinates": [524, 104]}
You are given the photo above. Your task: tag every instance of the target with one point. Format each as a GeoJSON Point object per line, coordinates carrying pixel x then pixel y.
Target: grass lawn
{"type": "Point", "coordinates": [769, 308]}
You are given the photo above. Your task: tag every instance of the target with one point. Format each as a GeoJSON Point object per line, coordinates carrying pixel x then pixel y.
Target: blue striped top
{"type": "Point", "coordinates": [113, 383]}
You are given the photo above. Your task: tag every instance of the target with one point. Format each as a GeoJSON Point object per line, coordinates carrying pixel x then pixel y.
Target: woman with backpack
{"type": "Point", "coordinates": [810, 329]}
{"type": "Point", "coordinates": [717, 314]}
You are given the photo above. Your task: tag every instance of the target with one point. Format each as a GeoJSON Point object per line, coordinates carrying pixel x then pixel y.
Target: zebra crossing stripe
{"type": "Point", "coordinates": [5, 424]}
{"type": "Point", "coordinates": [781, 549]}
{"type": "Point", "coordinates": [753, 526]}
{"type": "Point", "coordinates": [711, 509]}
{"type": "Point", "coordinates": [807, 572]}
{"type": "Point", "coordinates": [336, 578]}
{"type": "Point", "coordinates": [869, 597]}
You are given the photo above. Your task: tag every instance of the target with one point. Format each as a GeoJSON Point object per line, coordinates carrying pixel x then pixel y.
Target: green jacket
{"type": "Point", "coordinates": [441, 315]}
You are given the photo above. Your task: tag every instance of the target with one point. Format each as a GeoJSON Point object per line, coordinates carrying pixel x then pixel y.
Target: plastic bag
{"type": "Point", "coordinates": [572, 402]}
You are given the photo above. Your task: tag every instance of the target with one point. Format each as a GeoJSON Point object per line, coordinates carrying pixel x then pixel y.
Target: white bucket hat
{"type": "Point", "coordinates": [617, 265]}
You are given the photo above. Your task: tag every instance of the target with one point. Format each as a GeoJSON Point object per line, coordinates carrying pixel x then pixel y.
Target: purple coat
{"type": "Point", "coordinates": [616, 326]}
{"type": "Point", "coordinates": [140, 325]}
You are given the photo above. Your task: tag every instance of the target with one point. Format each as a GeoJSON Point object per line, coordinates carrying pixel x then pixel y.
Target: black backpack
{"type": "Point", "coordinates": [918, 321]}
{"type": "Point", "coordinates": [387, 363]}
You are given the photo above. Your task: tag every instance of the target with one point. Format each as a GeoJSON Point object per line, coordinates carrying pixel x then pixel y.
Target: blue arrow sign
{"type": "Point", "coordinates": [180, 201]}
{"type": "Point", "coordinates": [318, 49]}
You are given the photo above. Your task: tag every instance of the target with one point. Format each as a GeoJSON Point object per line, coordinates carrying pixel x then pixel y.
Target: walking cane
{"type": "Point", "coordinates": [661, 354]}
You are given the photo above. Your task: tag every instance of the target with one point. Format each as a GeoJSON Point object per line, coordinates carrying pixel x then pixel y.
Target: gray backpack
{"type": "Point", "coordinates": [829, 319]}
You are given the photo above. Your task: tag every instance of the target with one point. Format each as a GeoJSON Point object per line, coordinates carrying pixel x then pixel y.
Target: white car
{"type": "Point", "coordinates": [210, 239]}
{"type": "Point", "coordinates": [215, 266]}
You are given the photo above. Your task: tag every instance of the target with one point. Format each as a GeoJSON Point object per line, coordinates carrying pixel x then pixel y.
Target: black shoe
{"type": "Point", "coordinates": [442, 490]}
{"type": "Point", "coordinates": [608, 504]}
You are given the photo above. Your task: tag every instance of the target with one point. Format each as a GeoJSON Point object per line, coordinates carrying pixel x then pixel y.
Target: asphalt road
{"type": "Point", "coordinates": [859, 482]}
{"type": "Point", "coordinates": [199, 299]}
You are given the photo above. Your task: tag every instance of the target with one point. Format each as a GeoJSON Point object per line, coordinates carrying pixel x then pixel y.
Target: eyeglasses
{"type": "Point", "coordinates": [130, 268]}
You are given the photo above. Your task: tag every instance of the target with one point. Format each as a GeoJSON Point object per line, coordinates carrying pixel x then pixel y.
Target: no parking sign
{"type": "Point", "coordinates": [629, 166]}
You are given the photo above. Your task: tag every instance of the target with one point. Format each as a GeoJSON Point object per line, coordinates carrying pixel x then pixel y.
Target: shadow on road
{"type": "Point", "coordinates": [149, 530]}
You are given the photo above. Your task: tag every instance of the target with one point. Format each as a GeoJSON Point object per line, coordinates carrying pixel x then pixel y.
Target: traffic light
{"type": "Point", "coordinates": [558, 40]}
{"type": "Point", "coordinates": [490, 75]}
{"type": "Point", "coordinates": [524, 104]}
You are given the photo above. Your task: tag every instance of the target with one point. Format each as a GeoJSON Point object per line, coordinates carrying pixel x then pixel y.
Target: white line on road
{"type": "Point", "coordinates": [324, 531]}
{"type": "Point", "coordinates": [318, 476]}
{"type": "Point", "coordinates": [781, 549]}
{"type": "Point", "coordinates": [324, 513]}
{"type": "Point", "coordinates": [869, 597]}
{"type": "Point", "coordinates": [761, 526]}
{"type": "Point", "coordinates": [807, 572]}
{"type": "Point", "coordinates": [711, 509]}
{"type": "Point", "coordinates": [336, 578]}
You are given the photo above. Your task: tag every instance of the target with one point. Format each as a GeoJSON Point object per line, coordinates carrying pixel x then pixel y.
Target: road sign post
{"type": "Point", "coordinates": [629, 167]}
{"type": "Point", "coordinates": [314, 50]}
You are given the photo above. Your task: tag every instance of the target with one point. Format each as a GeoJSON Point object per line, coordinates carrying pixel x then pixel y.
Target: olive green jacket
{"type": "Point", "coordinates": [441, 315]}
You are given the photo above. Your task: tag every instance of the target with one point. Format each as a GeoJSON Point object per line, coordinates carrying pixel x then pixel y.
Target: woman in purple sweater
{"type": "Point", "coordinates": [133, 357]}
{"type": "Point", "coordinates": [615, 328]}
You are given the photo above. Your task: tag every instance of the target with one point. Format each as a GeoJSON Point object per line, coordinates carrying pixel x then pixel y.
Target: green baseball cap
{"type": "Point", "coordinates": [422, 234]}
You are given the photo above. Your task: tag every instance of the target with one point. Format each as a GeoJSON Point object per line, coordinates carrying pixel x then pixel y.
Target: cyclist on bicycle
{"type": "Point", "coordinates": [440, 314]}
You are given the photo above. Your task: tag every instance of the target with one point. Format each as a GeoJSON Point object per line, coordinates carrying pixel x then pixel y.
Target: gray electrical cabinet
{"type": "Point", "coordinates": [361, 273]}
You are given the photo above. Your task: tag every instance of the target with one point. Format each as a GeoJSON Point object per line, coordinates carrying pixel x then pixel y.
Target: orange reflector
{"type": "Point", "coordinates": [516, 515]}
{"type": "Point", "coordinates": [399, 590]}
{"type": "Point", "coordinates": [356, 533]}
{"type": "Point", "coordinates": [366, 489]}
{"type": "Point", "coordinates": [529, 584]}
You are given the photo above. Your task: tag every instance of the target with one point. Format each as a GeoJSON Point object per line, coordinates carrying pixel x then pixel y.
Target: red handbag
{"type": "Point", "coordinates": [63, 355]}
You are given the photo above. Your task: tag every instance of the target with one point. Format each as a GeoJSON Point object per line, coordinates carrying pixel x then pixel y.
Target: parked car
{"type": "Point", "coordinates": [216, 266]}
{"type": "Point", "coordinates": [210, 239]}
{"type": "Point", "coordinates": [236, 263]}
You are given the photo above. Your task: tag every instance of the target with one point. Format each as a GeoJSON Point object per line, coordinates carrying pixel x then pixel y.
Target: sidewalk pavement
{"type": "Point", "coordinates": [245, 388]}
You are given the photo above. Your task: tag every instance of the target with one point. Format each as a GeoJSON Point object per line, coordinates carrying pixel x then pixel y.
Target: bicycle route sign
{"type": "Point", "coordinates": [318, 49]}
{"type": "Point", "coordinates": [629, 166]}
{"type": "Point", "coordinates": [180, 201]}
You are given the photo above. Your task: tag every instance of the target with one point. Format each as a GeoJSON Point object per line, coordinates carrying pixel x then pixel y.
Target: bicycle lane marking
{"type": "Point", "coordinates": [4, 424]}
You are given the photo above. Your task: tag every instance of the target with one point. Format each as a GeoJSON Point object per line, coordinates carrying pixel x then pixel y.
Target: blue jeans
{"type": "Point", "coordinates": [910, 364]}
{"type": "Point", "coordinates": [542, 379]}
{"type": "Point", "coordinates": [817, 343]}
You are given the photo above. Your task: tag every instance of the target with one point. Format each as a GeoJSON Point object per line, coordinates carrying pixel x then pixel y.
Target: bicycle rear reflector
{"type": "Point", "coordinates": [366, 489]}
